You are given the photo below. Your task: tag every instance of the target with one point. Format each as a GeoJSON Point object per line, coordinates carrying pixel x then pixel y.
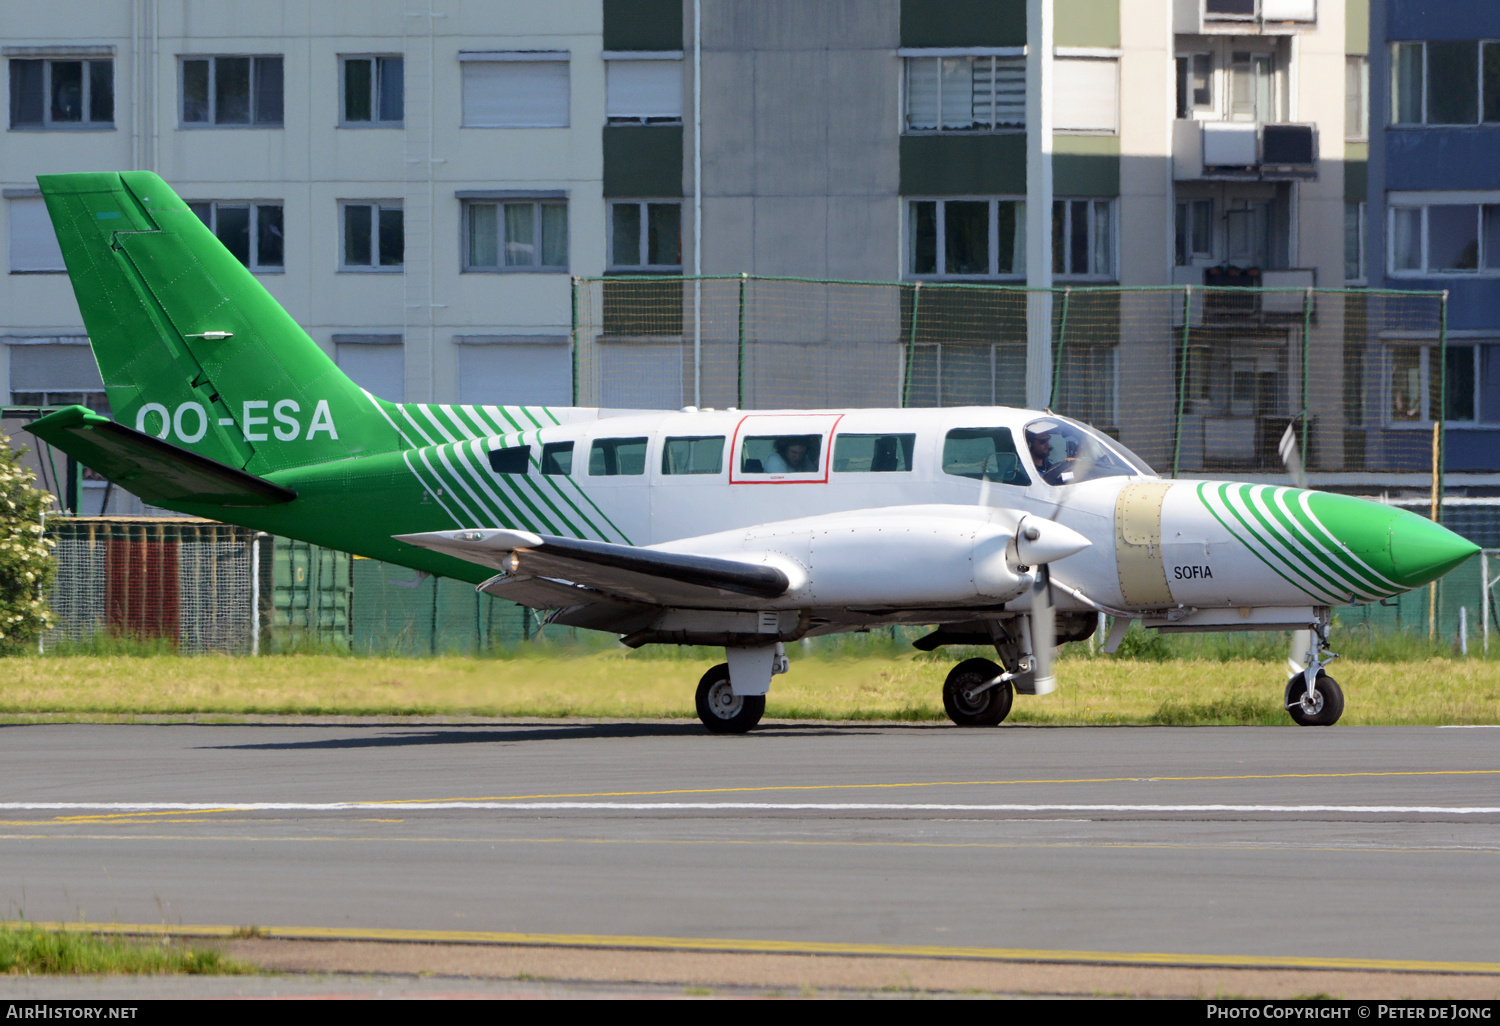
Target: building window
{"type": "Point", "coordinates": [965, 94]}
{"type": "Point", "coordinates": [1415, 388]}
{"type": "Point", "coordinates": [376, 363]}
{"type": "Point", "coordinates": [1354, 243]}
{"type": "Point", "coordinates": [1356, 97]}
{"type": "Point", "coordinates": [374, 91]}
{"type": "Point", "coordinates": [966, 238]}
{"type": "Point", "coordinates": [374, 236]}
{"type": "Point", "coordinates": [251, 231]}
{"type": "Point", "coordinates": [1195, 84]}
{"type": "Point", "coordinates": [645, 235]}
{"type": "Point", "coordinates": [1445, 83]}
{"type": "Point", "coordinates": [33, 243]}
{"type": "Point", "coordinates": [1087, 95]}
{"type": "Point", "coordinates": [1083, 243]}
{"type": "Point", "coordinates": [519, 235]}
{"type": "Point", "coordinates": [1445, 238]}
{"type": "Point", "coordinates": [643, 91]}
{"type": "Point", "coordinates": [1252, 87]}
{"type": "Point", "coordinates": [229, 91]}
{"type": "Point", "coordinates": [56, 372]}
{"type": "Point", "coordinates": [62, 93]}
{"type": "Point", "coordinates": [1195, 231]}
{"type": "Point", "coordinates": [515, 90]}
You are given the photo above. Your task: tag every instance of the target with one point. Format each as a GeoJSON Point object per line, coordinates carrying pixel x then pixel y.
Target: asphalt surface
{"type": "Point", "coordinates": [1297, 846]}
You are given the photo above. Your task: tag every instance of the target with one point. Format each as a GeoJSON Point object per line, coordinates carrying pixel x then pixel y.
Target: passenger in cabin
{"type": "Point", "coordinates": [791, 456]}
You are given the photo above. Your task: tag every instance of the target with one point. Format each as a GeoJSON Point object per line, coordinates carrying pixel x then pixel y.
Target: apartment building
{"type": "Point", "coordinates": [1433, 214]}
{"type": "Point", "coordinates": [418, 185]}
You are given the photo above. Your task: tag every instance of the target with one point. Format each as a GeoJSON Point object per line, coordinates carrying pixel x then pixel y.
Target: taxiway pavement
{"type": "Point", "coordinates": [1345, 847]}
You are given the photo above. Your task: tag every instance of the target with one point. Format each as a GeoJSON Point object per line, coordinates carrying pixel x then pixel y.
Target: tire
{"type": "Point", "coordinates": [983, 710]}
{"type": "Point", "coordinates": [1329, 709]}
{"type": "Point", "coordinates": [723, 712]}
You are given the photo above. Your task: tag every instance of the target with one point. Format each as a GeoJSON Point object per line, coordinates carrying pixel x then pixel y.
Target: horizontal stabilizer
{"type": "Point", "coordinates": [159, 472]}
{"type": "Point", "coordinates": [621, 571]}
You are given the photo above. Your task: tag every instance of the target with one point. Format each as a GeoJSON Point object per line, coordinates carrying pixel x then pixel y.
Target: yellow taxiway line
{"type": "Point", "coordinates": [775, 947]}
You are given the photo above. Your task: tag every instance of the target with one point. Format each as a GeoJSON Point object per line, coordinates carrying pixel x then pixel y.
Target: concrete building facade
{"type": "Point", "coordinates": [418, 182]}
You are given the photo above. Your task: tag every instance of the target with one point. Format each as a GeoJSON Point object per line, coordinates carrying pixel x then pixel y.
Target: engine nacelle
{"type": "Point", "coordinates": [907, 560]}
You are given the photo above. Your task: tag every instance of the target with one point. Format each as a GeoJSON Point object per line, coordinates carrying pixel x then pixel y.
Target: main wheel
{"type": "Point", "coordinates": [1324, 710]}
{"type": "Point", "coordinates": [721, 710]}
{"type": "Point", "coordinates": [970, 708]}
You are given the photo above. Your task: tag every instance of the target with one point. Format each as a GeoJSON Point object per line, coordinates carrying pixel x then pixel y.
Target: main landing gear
{"type": "Point", "coordinates": [1313, 698]}
{"type": "Point", "coordinates": [976, 695]}
{"type": "Point", "coordinates": [732, 696]}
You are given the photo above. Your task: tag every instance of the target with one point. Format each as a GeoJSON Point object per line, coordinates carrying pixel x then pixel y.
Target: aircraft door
{"type": "Point", "coordinates": [612, 471]}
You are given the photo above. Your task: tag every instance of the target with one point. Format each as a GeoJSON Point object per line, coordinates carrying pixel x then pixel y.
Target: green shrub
{"type": "Point", "coordinates": [26, 563]}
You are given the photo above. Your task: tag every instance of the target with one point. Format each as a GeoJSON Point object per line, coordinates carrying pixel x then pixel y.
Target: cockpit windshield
{"type": "Point", "coordinates": [1066, 452]}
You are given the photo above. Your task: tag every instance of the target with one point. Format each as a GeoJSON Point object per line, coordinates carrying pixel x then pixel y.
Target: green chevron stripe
{"type": "Point", "coordinates": [1295, 536]}
{"type": "Point", "coordinates": [1255, 550]}
{"type": "Point", "coordinates": [1387, 586]}
{"type": "Point", "coordinates": [449, 490]}
{"type": "Point", "coordinates": [406, 458]}
{"type": "Point", "coordinates": [507, 498]}
{"type": "Point", "coordinates": [1263, 533]}
{"type": "Point", "coordinates": [1363, 574]}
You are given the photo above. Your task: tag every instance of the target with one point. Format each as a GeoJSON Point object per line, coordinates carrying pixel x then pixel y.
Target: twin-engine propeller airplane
{"type": "Point", "coordinates": [1002, 527]}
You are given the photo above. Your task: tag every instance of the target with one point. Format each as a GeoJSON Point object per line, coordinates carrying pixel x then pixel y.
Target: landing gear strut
{"type": "Point", "coordinates": [1313, 698]}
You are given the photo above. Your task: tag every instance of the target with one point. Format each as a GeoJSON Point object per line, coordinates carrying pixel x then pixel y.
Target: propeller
{"type": "Point", "coordinates": [1038, 542]}
{"type": "Point", "coordinates": [1291, 455]}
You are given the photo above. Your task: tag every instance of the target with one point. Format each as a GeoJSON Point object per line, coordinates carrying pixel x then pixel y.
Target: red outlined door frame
{"type": "Point", "coordinates": [820, 423]}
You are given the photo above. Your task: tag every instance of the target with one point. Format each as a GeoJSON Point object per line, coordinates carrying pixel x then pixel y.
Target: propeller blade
{"type": "Point", "coordinates": [1043, 632]}
{"type": "Point", "coordinates": [1291, 455]}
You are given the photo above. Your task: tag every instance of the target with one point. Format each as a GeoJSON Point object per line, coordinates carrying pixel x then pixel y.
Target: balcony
{"type": "Point", "coordinates": [1244, 151]}
{"type": "Point", "coordinates": [1197, 16]}
{"type": "Point", "coordinates": [1209, 307]}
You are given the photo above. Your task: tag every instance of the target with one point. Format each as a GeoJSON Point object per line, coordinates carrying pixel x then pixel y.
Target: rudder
{"type": "Point", "coordinates": [191, 347]}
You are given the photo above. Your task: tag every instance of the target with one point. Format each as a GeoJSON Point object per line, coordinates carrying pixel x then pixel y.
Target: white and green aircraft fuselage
{"type": "Point", "coordinates": [996, 526]}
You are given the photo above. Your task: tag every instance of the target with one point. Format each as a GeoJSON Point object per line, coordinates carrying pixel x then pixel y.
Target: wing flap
{"type": "Point", "coordinates": [159, 472]}
{"type": "Point", "coordinates": [635, 574]}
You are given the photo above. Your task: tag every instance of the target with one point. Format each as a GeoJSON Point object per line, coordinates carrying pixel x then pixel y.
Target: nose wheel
{"type": "Point", "coordinates": [1320, 707]}
{"type": "Point", "coordinates": [1314, 699]}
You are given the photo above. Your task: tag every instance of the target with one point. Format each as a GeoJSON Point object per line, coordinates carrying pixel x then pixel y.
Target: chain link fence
{"type": "Point", "coordinates": [1194, 379]}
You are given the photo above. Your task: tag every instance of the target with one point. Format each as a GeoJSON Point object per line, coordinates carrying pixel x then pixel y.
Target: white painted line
{"type": "Point", "coordinates": [1469, 726]}
{"type": "Point", "coordinates": [417, 806]}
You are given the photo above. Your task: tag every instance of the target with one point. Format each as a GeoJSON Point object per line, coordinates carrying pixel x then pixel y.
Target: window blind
{"type": "Point", "coordinates": [515, 94]}
{"type": "Point", "coordinates": [643, 89]}
{"type": "Point", "coordinates": [33, 243]}
{"type": "Point", "coordinates": [378, 368]}
{"type": "Point", "coordinates": [1087, 94]}
{"type": "Point", "coordinates": [513, 373]}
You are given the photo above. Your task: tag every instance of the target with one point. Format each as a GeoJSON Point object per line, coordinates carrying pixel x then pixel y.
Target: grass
{"type": "Point", "coordinates": [1228, 682]}
{"type": "Point", "coordinates": [27, 950]}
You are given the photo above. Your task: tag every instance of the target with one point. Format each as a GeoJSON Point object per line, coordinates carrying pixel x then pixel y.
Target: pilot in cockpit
{"type": "Point", "coordinates": [1040, 443]}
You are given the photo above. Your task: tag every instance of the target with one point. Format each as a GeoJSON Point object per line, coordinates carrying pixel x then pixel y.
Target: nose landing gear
{"type": "Point", "coordinates": [1313, 698]}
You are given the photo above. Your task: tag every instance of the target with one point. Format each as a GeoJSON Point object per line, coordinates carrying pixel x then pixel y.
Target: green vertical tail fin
{"type": "Point", "coordinates": [191, 347]}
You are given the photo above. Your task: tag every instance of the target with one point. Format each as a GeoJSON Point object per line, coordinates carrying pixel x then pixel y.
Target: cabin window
{"type": "Point", "coordinates": [861, 454]}
{"type": "Point", "coordinates": [557, 458]}
{"type": "Point", "coordinates": [697, 455]}
{"type": "Point", "coordinates": [781, 454]}
{"type": "Point", "coordinates": [511, 460]}
{"type": "Point", "coordinates": [611, 457]}
{"type": "Point", "coordinates": [985, 454]}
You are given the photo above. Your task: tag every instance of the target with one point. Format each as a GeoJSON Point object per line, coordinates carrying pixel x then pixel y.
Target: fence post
{"type": "Point", "coordinates": [1307, 308]}
{"type": "Point", "coordinates": [911, 346]}
{"type": "Point", "coordinates": [1062, 331]}
{"type": "Point", "coordinates": [1439, 425]}
{"type": "Point", "coordinates": [1442, 415]}
{"type": "Point", "coordinates": [1182, 360]}
{"type": "Point", "coordinates": [574, 334]}
{"type": "Point", "coordinates": [739, 388]}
